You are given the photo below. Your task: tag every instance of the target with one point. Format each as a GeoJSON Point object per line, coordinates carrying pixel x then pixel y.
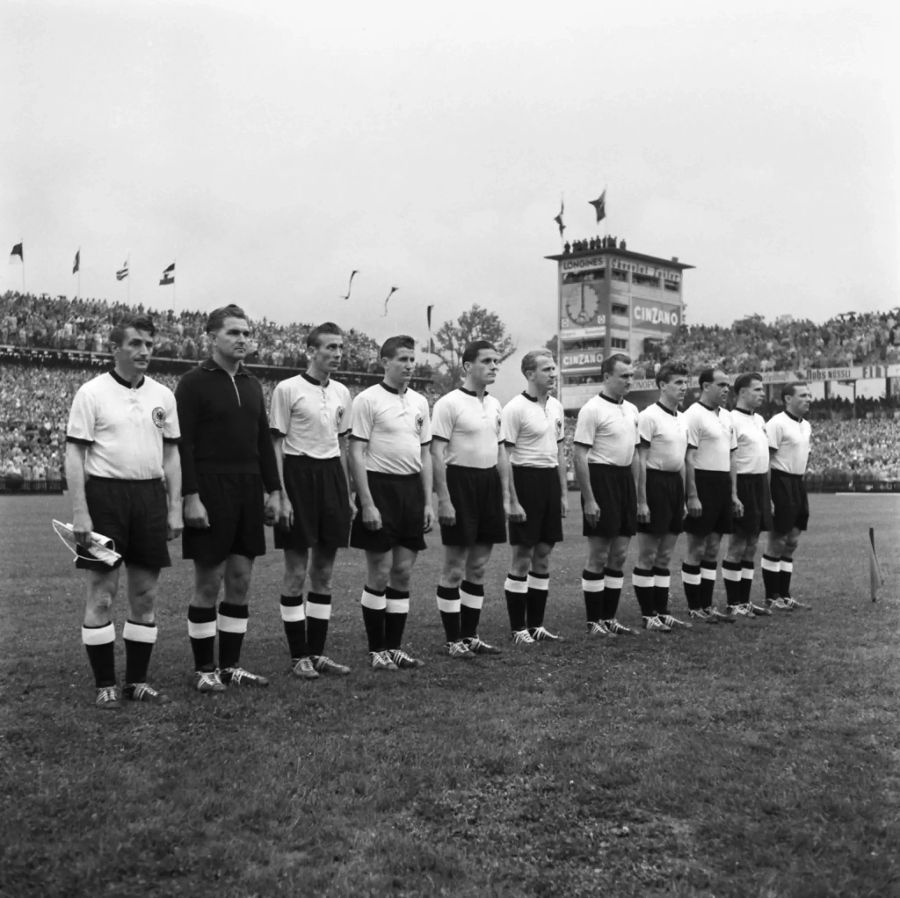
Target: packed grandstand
{"type": "Point", "coordinates": [46, 345]}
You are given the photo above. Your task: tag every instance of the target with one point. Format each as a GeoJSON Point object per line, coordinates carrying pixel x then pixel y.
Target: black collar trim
{"type": "Point", "coordinates": [312, 380]}
{"type": "Point", "coordinates": [529, 397]}
{"type": "Point", "coordinates": [471, 392]}
{"type": "Point", "coordinates": [744, 411]}
{"type": "Point", "coordinates": [793, 417]}
{"type": "Point", "coordinates": [613, 401]}
{"type": "Point", "coordinates": [668, 411]}
{"type": "Point", "coordinates": [390, 389]}
{"type": "Point", "coordinates": [709, 408]}
{"type": "Point", "coordinates": [126, 383]}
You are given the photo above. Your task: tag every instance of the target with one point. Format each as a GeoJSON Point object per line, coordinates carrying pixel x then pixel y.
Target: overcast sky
{"type": "Point", "coordinates": [272, 149]}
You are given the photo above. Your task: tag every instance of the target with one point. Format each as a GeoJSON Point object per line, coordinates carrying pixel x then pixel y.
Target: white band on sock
{"type": "Point", "coordinates": [592, 585]}
{"type": "Point", "coordinates": [539, 583]}
{"type": "Point", "coordinates": [747, 573]}
{"type": "Point", "coordinates": [690, 578]}
{"type": "Point", "coordinates": [786, 565]}
{"type": "Point", "coordinates": [370, 600]}
{"type": "Point", "coordinates": [228, 624]}
{"type": "Point", "coordinates": [663, 580]}
{"type": "Point", "coordinates": [519, 586]}
{"type": "Point", "coordinates": [470, 601]}
{"type": "Point", "coordinates": [292, 614]}
{"type": "Point", "coordinates": [770, 564]}
{"type": "Point", "coordinates": [447, 606]}
{"type": "Point", "coordinates": [614, 582]}
{"type": "Point", "coordinates": [318, 610]}
{"type": "Point", "coordinates": [733, 576]}
{"type": "Point", "coordinates": [397, 606]}
{"type": "Point", "coordinates": [139, 632]}
{"type": "Point", "coordinates": [640, 580]}
{"type": "Point", "coordinates": [708, 573]}
{"type": "Point", "coordinates": [202, 629]}
{"type": "Point", "coordinates": [98, 635]}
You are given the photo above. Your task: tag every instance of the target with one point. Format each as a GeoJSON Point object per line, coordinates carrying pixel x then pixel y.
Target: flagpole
{"type": "Point", "coordinates": [128, 279]}
{"type": "Point", "coordinates": [174, 284]}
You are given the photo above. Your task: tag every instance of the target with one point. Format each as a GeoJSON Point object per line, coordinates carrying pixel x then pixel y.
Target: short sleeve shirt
{"type": "Point", "coordinates": [532, 431]}
{"type": "Point", "coordinates": [711, 433]}
{"type": "Point", "coordinates": [789, 437]}
{"type": "Point", "coordinates": [394, 426]}
{"type": "Point", "coordinates": [123, 427]}
{"type": "Point", "coordinates": [609, 429]}
{"type": "Point", "coordinates": [665, 433]}
{"type": "Point", "coordinates": [470, 426]}
{"type": "Point", "coordinates": [752, 453]}
{"type": "Point", "coordinates": [310, 416]}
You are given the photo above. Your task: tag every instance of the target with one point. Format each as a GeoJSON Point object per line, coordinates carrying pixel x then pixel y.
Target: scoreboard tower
{"type": "Point", "coordinates": [611, 299]}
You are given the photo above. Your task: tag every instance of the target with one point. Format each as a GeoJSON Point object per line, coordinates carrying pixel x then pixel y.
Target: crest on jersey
{"type": "Point", "coordinates": [340, 414]}
{"type": "Point", "coordinates": [159, 416]}
{"type": "Point", "coordinates": [420, 420]}
{"type": "Point", "coordinates": [497, 424]}
{"type": "Point", "coordinates": [559, 428]}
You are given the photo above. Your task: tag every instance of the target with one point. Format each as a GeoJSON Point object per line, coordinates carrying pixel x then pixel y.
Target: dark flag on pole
{"type": "Point", "coordinates": [876, 578]}
{"type": "Point", "coordinates": [76, 265]}
{"type": "Point", "coordinates": [16, 253]}
{"type": "Point", "coordinates": [559, 218]}
{"type": "Point", "coordinates": [387, 299]}
{"type": "Point", "coordinates": [599, 205]}
{"type": "Point", "coordinates": [430, 338]}
{"type": "Point", "coordinates": [122, 273]}
{"type": "Point", "coordinates": [168, 276]}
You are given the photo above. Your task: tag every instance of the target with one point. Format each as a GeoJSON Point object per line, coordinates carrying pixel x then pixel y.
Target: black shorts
{"type": "Point", "coordinates": [132, 513]}
{"type": "Point", "coordinates": [613, 488]}
{"type": "Point", "coordinates": [665, 498]}
{"type": "Point", "coordinates": [714, 493]}
{"type": "Point", "coordinates": [477, 498]}
{"type": "Point", "coordinates": [317, 488]}
{"type": "Point", "coordinates": [790, 501]}
{"type": "Point", "coordinates": [235, 504]}
{"type": "Point", "coordinates": [400, 498]}
{"type": "Point", "coordinates": [540, 495]}
{"type": "Point", "coordinates": [753, 491]}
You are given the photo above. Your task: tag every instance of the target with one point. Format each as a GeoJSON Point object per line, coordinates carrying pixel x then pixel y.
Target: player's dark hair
{"type": "Point", "coordinates": [393, 345]}
{"type": "Point", "coordinates": [138, 322]}
{"type": "Point", "coordinates": [609, 364]}
{"type": "Point", "coordinates": [470, 353]}
{"type": "Point", "coordinates": [706, 376]}
{"type": "Point", "coordinates": [742, 381]}
{"type": "Point", "coordinates": [669, 371]}
{"type": "Point", "coordinates": [791, 388]}
{"type": "Point", "coordinates": [326, 327]}
{"type": "Point", "coordinates": [217, 317]}
{"type": "Point", "coordinates": [530, 359]}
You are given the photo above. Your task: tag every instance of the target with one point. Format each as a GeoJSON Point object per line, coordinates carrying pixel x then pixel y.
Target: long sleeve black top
{"type": "Point", "coordinates": [224, 426]}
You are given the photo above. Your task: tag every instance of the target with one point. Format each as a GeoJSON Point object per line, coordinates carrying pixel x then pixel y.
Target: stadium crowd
{"type": "Point", "coordinates": [36, 398]}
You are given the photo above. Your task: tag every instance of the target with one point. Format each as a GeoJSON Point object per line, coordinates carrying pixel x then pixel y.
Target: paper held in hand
{"type": "Point", "coordinates": [102, 547]}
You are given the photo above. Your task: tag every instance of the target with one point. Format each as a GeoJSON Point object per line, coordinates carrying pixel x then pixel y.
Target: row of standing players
{"type": "Point", "coordinates": [208, 463]}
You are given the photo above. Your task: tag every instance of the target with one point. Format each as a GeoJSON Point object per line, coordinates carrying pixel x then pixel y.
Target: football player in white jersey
{"type": "Point", "coordinates": [752, 502]}
{"type": "Point", "coordinates": [124, 477]}
{"type": "Point", "coordinates": [532, 432]}
{"type": "Point", "coordinates": [309, 422]}
{"type": "Point", "coordinates": [789, 439]}
{"type": "Point", "coordinates": [465, 426]}
{"type": "Point", "coordinates": [391, 466]}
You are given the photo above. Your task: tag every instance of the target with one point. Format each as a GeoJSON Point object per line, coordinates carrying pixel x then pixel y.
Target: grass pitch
{"type": "Point", "coordinates": [760, 759]}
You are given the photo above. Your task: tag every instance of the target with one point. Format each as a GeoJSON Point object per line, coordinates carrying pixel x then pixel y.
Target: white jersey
{"type": "Point", "coordinates": [752, 453]}
{"type": "Point", "coordinates": [470, 426]}
{"type": "Point", "coordinates": [609, 429]}
{"type": "Point", "coordinates": [789, 437]}
{"type": "Point", "coordinates": [665, 432]}
{"type": "Point", "coordinates": [394, 426]}
{"type": "Point", "coordinates": [310, 416]}
{"type": "Point", "coordinates": [123, 427]}
{"type": "Point", "coordinates": [531, 431]}
{"type": "Point", "coordinates": [711, 433]}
